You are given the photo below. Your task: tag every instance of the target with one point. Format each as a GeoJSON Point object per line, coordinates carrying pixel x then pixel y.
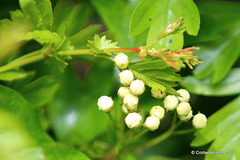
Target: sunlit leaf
{"type": "Point", "coordinates": [158, 14]}
{"type": "Point", "coordinates": [13, 103]}
{"type": "Point", "coordinates": [38, 13]}
{"type": "Point", "coordinates": [99, 44]}
{"type": "Point", "coordinates": [14, 75]}
{"type": "Point", "coordinates": [42, 36]}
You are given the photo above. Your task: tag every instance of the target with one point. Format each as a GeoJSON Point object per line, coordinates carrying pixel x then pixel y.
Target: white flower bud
{"type": "Point", "coordinates": [199, 121]}
{"type": "Point", "coordinates": [123, 91]}
{"type": "Point", "coordinates": [183, 108]}
{"type": "Point", "coordinates": [152, 123]}
{"type": "Point", "coordinates": [137, 87]}
{"type": "Point", "coordinates": [170, 102]}
{"type": "Point", "coordinates": [157, 111]}
{"type": "Point", "coordinates": [126, 77]}
{"type": "Point", "coordinates": [185, 96]}
{"type": "Point", "coordinates": [133, 120]}
{"type": "Point", "coordinates": [187, 117]}
{"type": "Point", "coordinates": [124, 109]}
{"type": "Point", "coordinates": [157, 93]}
{"type": "Point", "coordinates": [130, 101]}
{"type": "Point", "coordinates": [121, 61]}
{"type": "Point", "coordinates": [105, 103]}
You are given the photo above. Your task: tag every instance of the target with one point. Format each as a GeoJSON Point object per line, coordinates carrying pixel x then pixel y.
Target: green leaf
{"type": "Point", "coordinates": [80, 15]}
{"type": "Point", "coordinates": [156, 64]}
{"type": "Point", "coordinates": [24, 112]}
{"type": "Point", "coordinates": [98, 45]}
{"type": "Point", "coordinates": [228, 145]}
{"type": "Point", "coordinates": [17, 17]}
{"type": "Point", "coordinates": [158, 14]}
{"type": "Point", "coordinates": [69, 18]}
{"type": "Point", "coordinates": [74, 114]}
{"type": "Point", "coordinates": [220, 55]}
{"type": "Point", "coordinates": [56, 151]}
{"type": "Point", "coordinates": [42, 36]}
{"type": "Point", "coordinates": [230, 85]}
{"type": "Point", "coordinates": [15, 141]}
{"type": "Point", "coordinates": [223, 127]}
{"type": "Point", "coordinates": [10, 32]}
{"type": "Point", "coordinates": [38, 13]}
{"type": "Point", "coordinates": [13, 103]}
{"type": "Point", "coordinates": [156, 74]}
{"type": "Point", "coordinates": [80, 39]}
{"type": "Point", "coordinates": [40, 91]}
{"type": "Point", "coordinates": [225, 11]}
{"type": "Point", "coordinates": [115, 15]}
{"type": "Point", "coordinates": [210, 29]}
{"type": "Point", "coordinates": [14, 75]}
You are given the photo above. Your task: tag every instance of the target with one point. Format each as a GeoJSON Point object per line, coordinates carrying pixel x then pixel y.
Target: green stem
{"type": "Point", "coordinates": [22, 62]}
{"type": "Point", "coordinates": [75, 52]}
{"type": "Point", "coordinates": [156, 140]}
{"type": "Point", "coordinates": [82, 52]}
{"type": "Point", "coordinates": [41, 54]}
{"type": "Point", "coordinates": [186, 131]}
{"type": "Point", "coordinates": [137, 136]}
{"type": "Point", "coordinates": [162, 137]}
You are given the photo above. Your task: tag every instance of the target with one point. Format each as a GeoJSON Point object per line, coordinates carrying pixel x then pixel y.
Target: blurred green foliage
{"type": "Point", "coordinates": [46, 113]}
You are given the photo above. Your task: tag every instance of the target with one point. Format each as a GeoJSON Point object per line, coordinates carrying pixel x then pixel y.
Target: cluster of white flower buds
{"type": "Point", "coordinates": [184, 109]}
{"type": "Point", "coordinates": [153, 121]}
{"type": "Point", "coordinates": [131, 89]}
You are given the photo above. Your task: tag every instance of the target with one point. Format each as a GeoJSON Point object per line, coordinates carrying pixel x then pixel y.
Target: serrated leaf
{"type": "Point", "coordinates": [14, 75]}
{"type": "Point", "coordinates": [158, 14]}
{"type": "Point", "coordinates": [156, 74]}
{"type": "Point", "coordinates": [42, 36]}
{"type": "Point", "coordinates": [230, 85]}
{"type": "Point", "coordinates": [99, 44]}
{"type": "Point", "coordinates": [38, 13]}
{"type": "Point", "coordinates": [18, 17]}
{"type": "Point", "coordinates": [223, 127]}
